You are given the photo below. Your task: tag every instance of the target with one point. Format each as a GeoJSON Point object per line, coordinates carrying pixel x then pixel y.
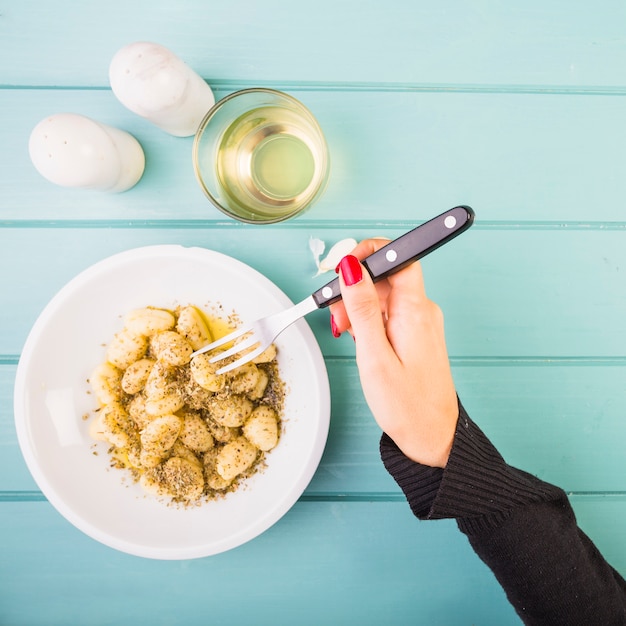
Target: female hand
{"type": "Point", "coordinates": [401, 355]}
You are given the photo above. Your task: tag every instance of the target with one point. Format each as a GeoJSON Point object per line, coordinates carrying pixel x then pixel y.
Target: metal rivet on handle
{"type": "Point", "coordinates": [450, 221]}
{"type": "Point", "coordinates": [391, 255]}
{"type": "Point", "coordinates": [327, 292]}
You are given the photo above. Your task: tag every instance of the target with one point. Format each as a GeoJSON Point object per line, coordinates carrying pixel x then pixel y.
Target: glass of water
{"type": "Point", "coordinates": [260, 156]}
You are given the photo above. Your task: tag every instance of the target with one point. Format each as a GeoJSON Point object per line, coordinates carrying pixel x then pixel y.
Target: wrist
{"type": "Point", "coordinates": [428, 437]}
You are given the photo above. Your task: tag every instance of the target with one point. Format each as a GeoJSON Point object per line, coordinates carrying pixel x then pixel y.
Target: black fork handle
{"type": "Point", "coordinates": [405, 250]}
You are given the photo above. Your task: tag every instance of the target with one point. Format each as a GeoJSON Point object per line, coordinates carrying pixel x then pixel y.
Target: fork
{"type": "Point", "coordinates": [396, 255]}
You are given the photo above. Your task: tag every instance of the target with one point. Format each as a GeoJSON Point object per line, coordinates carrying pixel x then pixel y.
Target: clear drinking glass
{"type": "Point", "coordinates": [260, 156]}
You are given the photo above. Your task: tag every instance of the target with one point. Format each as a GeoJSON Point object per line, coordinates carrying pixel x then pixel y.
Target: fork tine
{"type": "Point", "coordinates": [246, 358]}
{"type": "Point", "coordinates": [247, 343]}
{"type": "Point", "coordinates": [223, 340]}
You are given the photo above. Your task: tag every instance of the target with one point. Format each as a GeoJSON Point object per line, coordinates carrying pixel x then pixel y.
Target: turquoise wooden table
{"type": "Point", "coordinates": [518, 111]}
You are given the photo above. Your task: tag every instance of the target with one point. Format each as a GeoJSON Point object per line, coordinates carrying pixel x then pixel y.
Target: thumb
{"type": "Point", "coordinates": [360, 300]}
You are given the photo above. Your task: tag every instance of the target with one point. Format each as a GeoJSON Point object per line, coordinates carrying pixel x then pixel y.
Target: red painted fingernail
{"type": "Point", "coordinates": [350, 270]}
{"type": "Point", "coordinates": [333, 328]}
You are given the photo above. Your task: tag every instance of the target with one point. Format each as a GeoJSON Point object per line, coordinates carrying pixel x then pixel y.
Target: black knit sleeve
{"type": "Point", "coordinates": [524, 529]}
{"type": "Point", "coordinates": [420, 483]}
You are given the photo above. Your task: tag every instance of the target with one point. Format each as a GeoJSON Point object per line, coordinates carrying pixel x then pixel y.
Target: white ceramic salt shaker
{"type": "Point", "coordinates": [72, 150]}
{"type": "Point", "coordinates": [153, 82]}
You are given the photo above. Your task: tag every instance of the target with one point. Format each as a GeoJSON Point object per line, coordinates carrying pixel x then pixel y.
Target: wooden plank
{"type": "Point", "coordinates": [310, 568]}
{"type": "Point", "coordinates": [395, 156]}
{"type": "Point", "coordinates": [14, 475]}
{"type": "Point", "coordinates": [307, 569]}
{"type": "Point", "coordinates": [512, 293]}
{"type": "Point", "coordinates": [559, 421]}
{"type": "Point", "coordinates": [563, 423]}
{"type": "Point", "coordinates": [602, 519]}
{"type": "Point", "coordinates": [457, 42]}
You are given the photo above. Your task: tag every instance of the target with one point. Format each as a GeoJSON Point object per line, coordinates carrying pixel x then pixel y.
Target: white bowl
{"type": "Point", "coordinates": [52, 396]}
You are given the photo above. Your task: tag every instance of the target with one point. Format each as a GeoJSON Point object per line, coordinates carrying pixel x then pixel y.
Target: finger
{"type": "Point", "coordinates": [409, 279]}
{"type": "Point", "coordinates": [408, 283]}
{"type": "Point", "coordinates": [340, 322]}
{"type": "Point", "coordinates": [407, 300]}
{"type": "Point", "coordinates": [362, 306]}
{"type": "Point", "coordinates": [369, 246]}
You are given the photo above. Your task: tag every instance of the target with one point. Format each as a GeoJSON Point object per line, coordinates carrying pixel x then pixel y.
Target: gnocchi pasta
{"type": "Point", "coordinates": [185, 432]}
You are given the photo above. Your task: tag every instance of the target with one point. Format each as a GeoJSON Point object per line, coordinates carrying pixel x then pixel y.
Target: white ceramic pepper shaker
{"type": "Point", "coordinates": [153, 82]}
{"type": "Point", "coordinates": [72, 150]}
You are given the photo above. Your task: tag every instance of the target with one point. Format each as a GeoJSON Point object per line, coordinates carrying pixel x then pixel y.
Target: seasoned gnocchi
{"type": "Point", "coordinates": [171, 348]}
{"type": "Point", "coordinates": [136, 375]}
{"type": "Point", "coordinates": [192, 326]}
{"type": "Point", "coordinates": [126, 348]}
{"type": "Point", "coordinates": [261, 428]}
{"type": "Point", "coordinates": [183, 431]}
{"type": "Point", "coordinates": [105, 382]}
{"type": "Point", "coordinates": [148, 321]}
{"type": "Point", "coordinates": [235, 458]}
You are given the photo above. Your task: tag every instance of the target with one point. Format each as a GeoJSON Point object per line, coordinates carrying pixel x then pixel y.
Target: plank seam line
{"type": "Point", "coordinates": [194, 224]}
{"type": "Point", "coordinates": [17, 496]}
{"type": "Point", "coordinates": [468, 361]}
{"type": "Point", "coordinates": [219, 84]}
{"type": "Point", "coordinates": [547, 360]}
{"type": "Point", "coordinates": [400, 497]}
{"type": "Point", "coordinates": [514, 360]}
